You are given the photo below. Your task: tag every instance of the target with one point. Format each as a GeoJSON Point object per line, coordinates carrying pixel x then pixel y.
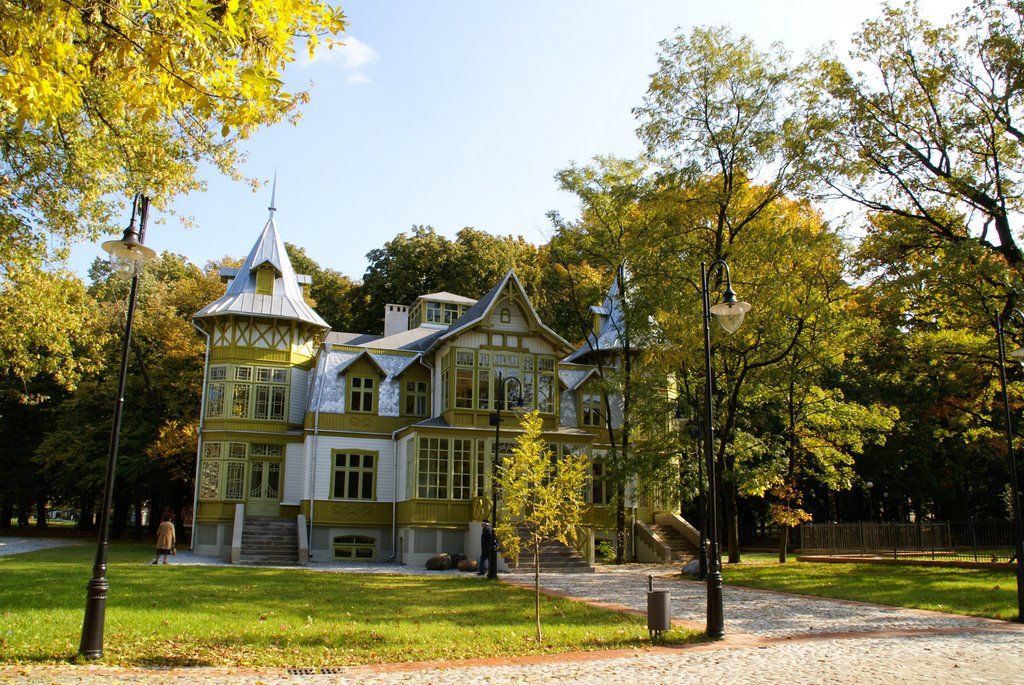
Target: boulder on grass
{"type": "Point", "coordinates": [467, 565]}
{"type": "Point", "coordinates": [439, 562]}
{"type": "Point", "coordinates": [692, 568]}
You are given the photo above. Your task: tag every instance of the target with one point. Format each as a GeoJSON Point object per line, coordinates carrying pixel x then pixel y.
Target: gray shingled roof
{"type": "Point", "coordinates": [241, 296]}
{"type": "Point", "coordinates": [479, 311]}
{"type": "Point", "coordinates": [613, 321]}
{"type": "Point", "coordinates": [445, 296]}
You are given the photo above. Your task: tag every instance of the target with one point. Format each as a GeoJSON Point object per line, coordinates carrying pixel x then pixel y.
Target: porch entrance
{"type": "Point", "coordinates": [264, 489]}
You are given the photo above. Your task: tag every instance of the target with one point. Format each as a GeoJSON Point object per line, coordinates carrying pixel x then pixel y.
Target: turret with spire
{"type": "Point", "coordinates": [265, 285]}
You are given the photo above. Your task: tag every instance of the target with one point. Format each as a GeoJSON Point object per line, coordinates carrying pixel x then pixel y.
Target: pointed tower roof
{"type": "Point", "coordinates": [611, 328]}
{"type": "Point", "coordinates": [241, 296]}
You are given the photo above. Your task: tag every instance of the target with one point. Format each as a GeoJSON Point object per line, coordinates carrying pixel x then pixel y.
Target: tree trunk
{"type": "Point", "coordinates": [783, 543]}
{"type": "Point", "coordinates": [6, 514]}
{"type": "Point", "coordinates": [536, 586]}
{"type": "Point", "coordinates": [85, 515]}
{"type": "Point", "coordinates": [620, 525]}
{"type": "Point", "coordinates": [41, 511]}
{"type": "Point", "coordinates": [732, 528]}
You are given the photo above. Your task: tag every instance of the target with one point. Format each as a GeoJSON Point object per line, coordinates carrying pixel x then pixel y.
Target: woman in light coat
{"type": "Point", "coordinates": [164, 539]}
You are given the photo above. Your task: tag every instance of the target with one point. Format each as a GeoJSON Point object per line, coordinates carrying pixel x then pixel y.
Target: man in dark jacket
{"type": "Point", "coordinates": [486, 545]}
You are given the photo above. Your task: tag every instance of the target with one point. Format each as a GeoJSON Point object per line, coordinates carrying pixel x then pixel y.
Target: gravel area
{"type": "Point", "coordinates": [750, 611]}
{"type": "Point", "coordinates": [14, 545]}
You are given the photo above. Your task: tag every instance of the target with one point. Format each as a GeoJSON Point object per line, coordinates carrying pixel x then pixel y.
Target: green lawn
{"type": "Point", "coordinates": [193, 615]}
{"type": "Point", "coordinates": [976, 592]}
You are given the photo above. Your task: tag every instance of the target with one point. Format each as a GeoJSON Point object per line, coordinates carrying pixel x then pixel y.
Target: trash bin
{"type": "Point", "coordinates": [659, 610]}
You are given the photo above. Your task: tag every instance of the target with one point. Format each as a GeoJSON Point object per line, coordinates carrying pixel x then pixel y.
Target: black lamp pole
{"type": "Point", "coordinates": [1014, 488]}
{"type": "Point", "coordinates": [499, 401]}
{"type": "Point", "coordinates": [129, 247]}
{"type": "Point", "coordinates": [730, 312]}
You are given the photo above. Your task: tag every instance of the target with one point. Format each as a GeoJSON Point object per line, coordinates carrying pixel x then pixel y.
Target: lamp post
{"type": "Point", "coordinates": [130, 248]}
{"type": "Point", "coordinates": [495, 419]}
{"type": "Point", "coordinates": [730, 313]}
{"type": "Point", "coordinates": [1018, 527]}
{"type": "Point", "coordinates": [694, 431]}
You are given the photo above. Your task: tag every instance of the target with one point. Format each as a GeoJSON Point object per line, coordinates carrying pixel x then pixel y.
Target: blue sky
{"type": "Point", "coordinates": [459, 114]}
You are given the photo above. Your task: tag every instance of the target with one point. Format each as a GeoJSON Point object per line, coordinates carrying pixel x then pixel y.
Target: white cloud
{"type": "Point", "coordinates": [351, 56]}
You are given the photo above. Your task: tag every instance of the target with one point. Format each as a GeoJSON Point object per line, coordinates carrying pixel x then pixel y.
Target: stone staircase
{"type": "Point", "coordinates": [554, 558]}
{"type": "Point", "coordinates": [269, 542]}
{"type": "Point", "coordinates": [682, 550]}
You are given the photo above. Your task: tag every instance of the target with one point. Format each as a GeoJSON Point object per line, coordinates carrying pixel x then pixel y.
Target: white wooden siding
{"type": "Point", "coordinates": [538, 345]}
{"type": "Point", "coordinates": [517, 317]}
{"type": "Point", "coordinates": [297, 402]}
{"type": "Point", "coordinates": [385, 463]}
{"type": "Point", "coordinates": [402, 461]}
{"type": "Point", "coordinates": [294, 473]}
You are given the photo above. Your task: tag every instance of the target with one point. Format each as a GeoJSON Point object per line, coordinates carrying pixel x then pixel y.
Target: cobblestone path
{"type": "Point", "coordinates": [772, 638]}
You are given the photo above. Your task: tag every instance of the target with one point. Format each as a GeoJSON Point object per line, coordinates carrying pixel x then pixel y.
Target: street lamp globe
{"type": "Point", "coordinates": [129, 247]}
{"type": "Point", "coordinates": [730, 311]}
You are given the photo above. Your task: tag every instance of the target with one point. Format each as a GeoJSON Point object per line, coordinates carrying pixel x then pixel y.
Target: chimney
{"type": "Point", "coordinates": [396, 319]}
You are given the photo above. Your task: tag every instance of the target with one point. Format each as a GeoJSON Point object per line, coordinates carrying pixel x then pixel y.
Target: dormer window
{"type": "Point", "coordinates": [265, 281]}
{"type": "Point", "coordinates": [361, 395]}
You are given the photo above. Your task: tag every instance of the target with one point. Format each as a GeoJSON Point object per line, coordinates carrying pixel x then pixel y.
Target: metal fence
{"type": "Point", "coordinates": [976, 541]}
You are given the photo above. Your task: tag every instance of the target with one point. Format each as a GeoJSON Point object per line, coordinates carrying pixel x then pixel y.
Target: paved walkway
{"type": "Point", "coordinates": [752, 612]}
{"type": "Point", "coordinates": [15, 545]}
{"type": "Point", "coordinates": [771, 638]}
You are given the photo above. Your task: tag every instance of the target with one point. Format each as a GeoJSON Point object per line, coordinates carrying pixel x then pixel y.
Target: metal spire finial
{"type": "Point", "coordinates": [273, 194]}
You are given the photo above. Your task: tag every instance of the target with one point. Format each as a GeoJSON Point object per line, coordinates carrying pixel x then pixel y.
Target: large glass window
{"type": "Point", "coordinates": [433, 468]}
{"type": "Point", "coordinates": [215, 400]}
{"type": "Point", "coordinates": [209, 479]}
{"type": "Point", "coordinates": [223, 470]}
{"type": "Point", "coordinates": [462, 464]}
{"type": "Point", "coordinates": [599, 490]}
{"type": "Point", "coordinates": [361, 394]}
{"type": "Point", "coordinates": [476, 379]}
{"type": "Point", "coordinates": [354, 476]}
{"type": "Point", "coordinates": [234, 480]}
{"type": "Point", "coordinates": [240, 401]}
{"type": "Point", "coordinates": [464, 379]}
{"type": "Point", "coordinates": [590, 408]}
{"type": "Point", "coordinates": [259, 393]}
{"type": "Point", "coordinates": [445, 383]}
{"type": "Point", "coordinates": [416, 398]}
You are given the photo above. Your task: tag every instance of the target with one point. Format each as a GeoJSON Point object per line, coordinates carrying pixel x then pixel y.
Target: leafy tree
{"type": "Point", "coordinates": [620, 235]}
{"type": "Point", "coordinates": [157, 458]}
{"type": "Point", "coordinates": [730, 126]}
{"type": "Point", "coordinates": [335, 296]}
{"type": "Point", "coordinates": [931, 351]}
{"type": "Point", "coordinates": [542, 498]}
{"type": "Point", "coordinates": [408, 266]}
{"type": "Point", "coordinates": [927, 128]}
{"type": "Point", "coordinates": [48, 329]}
{"type": "Point", "coordinates": [101, 100]}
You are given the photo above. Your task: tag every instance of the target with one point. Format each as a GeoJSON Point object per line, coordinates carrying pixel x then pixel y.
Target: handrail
{"type": "Point", "coordinates": [302, 540]}
{"type": "Point", "coordinates": [648, 537]}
